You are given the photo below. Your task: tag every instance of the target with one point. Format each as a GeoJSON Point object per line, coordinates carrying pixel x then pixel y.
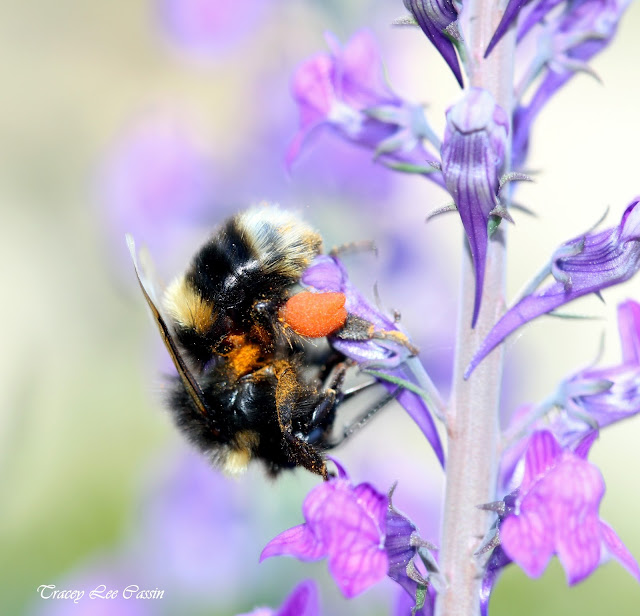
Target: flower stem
{"type": "Point", "coordinates": [473, 419]}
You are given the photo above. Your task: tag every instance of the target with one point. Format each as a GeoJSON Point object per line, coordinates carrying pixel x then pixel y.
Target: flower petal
{"type": "Point", "coordinates": [299, 542]}
{"type": "Point", "coordinates": [346, 524]}
{"type": "Point", "coordinates": [618, 550]}
{"type": "Point", "coordinates": [433, 17]}
{"type": "Point", "coordinates": [629, 328]}
{"type": "Point", "coordinates": [303, 601]}
{"type": "Point", "coordinates": [510, 14]}
{"type": "Point", "coordinates": [557, 511]}
{"type": "Point", "coordinates": [473, 154]}
{"type": "Point", "coordinates": [497, 561]}
{"type": "Point", "coordinates": [328, 274]}
{"type": "Point", "coordinates": [526, 540]}
{"type": "Point", "coordinates": [542, 453]}
{"type": "Point", "coordinates": [588, 263]}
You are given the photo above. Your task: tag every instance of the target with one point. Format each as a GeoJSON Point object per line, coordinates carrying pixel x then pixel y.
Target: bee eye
{"type": "Point", "coordinates": [315, 315]}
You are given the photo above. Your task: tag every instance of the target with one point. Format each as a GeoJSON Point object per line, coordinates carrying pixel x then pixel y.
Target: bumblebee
{"type": "Point", "coordinates": [248, 387]}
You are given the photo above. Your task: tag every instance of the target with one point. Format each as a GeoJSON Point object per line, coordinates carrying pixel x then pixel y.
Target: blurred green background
{"type": "Point", "coordinates": [85, 447]}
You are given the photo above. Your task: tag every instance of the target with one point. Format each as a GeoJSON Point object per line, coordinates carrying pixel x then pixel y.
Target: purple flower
{"type": "Point", "coordinates": [181, 518]}
{"type": "Point", "coordinates": [581, 21]}
{"type": "Point", "coordinates": [209, 26]}
{"type": "Point", "coordinates": [358, 531]}
{"type": "Point", "coordinates": [156, 175]}
{"type": "Point", "coordinates": [303, 601]}
{"type": "Point", "coordinates": [556, 512]}
{"type": "Point", "coordinates": [473, 154]}
{"type": "Point", "coordinates": [586, 264]}
{"type": "Point", "coordinates": [437, 18]}
{"type": "Point", "coordinates": [607, 395]}
{"type": "Point", "coordinates": [567, 43]}
{"type": "Point", "coordinates": [388, 349]}
{"type": "Point", "coordinates": [345, 90]}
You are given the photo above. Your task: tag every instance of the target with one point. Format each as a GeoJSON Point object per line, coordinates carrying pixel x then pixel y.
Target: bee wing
{"type": "Point", "coordinates": [149, 291]}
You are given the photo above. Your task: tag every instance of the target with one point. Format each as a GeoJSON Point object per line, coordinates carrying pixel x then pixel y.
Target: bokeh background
{"type": "Point", "coordinates": [161, 118]}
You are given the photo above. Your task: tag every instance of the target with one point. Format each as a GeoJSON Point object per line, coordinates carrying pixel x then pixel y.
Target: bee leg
{"type": "Point", "coordinates": [354, 247]}
{"type": "Point", "coordinates": [356, 389]}
{"type": "Point", "coordinates": [334, 380]}
{"type": "Point", "coordinates": [299, 451]}
{"type": "Point", "coordinates": [363, 419]}
{"type": "Point", "coordinates": [324, 410]}
{"type": "Point", "coordinates": [359, 329]}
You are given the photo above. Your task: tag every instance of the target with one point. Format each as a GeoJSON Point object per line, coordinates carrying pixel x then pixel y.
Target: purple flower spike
{"type": "Point", "coordinates": [557, 513]}
{"type": "Point", "coordinates": [345, 524]}
{"type": "Point", "coordinates": [303, 601]}
{"type": "Point", "coordinates": [472, 163]}
{"type": "Point", "coordinates": [586, 264]}
{"type": "Point", "coordinates": [327, 274]}
{"type": "Point", "coordinates": [345, 91]}
{"type": "Point", "coordinates": [436, 17]}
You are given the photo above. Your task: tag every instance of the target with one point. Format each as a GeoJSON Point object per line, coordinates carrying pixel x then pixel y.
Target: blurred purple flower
{"type": "Point", "coordinates": [473, 154]}
{"type": "Point", "coordinates": [586, 264]}
{"type": "Point", "coordinates": [556, 512]}
{"type": "Point", "coordinates": [568, 42]}
{"type": "Point", "coordinates": [436, 18]}
{"type": "Point", "coordinates": [591, 399]}
{"type": "Point", "coordinates": [209, 26]}
{"type": "Point", "coordinates": [388, 349]}
{"type": "Point", "coordinates": [345, 90]}
{"type": "Point", "coordinates": [303, 601]}
{"type": "Point", "coordinates": [361, 534]}
{"type": "Point", "coordinates": [156, 175]}
{"type": "Point", "coordinates": [607, 395]}
{"type": "Point", "coordinates": [194, 529]}
{"type": "Point", "coordinates": [579, 22]}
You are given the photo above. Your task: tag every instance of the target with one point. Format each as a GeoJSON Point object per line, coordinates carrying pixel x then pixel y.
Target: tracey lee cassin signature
{"type": "Point", "coordinates": [133, 591]}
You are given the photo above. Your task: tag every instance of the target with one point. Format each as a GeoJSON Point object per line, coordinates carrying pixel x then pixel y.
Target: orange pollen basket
{"type": "Point", "coordinates": [315, 315]}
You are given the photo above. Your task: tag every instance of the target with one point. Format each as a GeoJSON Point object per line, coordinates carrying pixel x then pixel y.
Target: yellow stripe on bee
{"type": "Point", "coordinates": [187, 307]}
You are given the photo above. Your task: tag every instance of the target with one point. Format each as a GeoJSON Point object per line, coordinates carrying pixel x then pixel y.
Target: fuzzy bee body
{"type": "Point", "coordinates": [245, 420]}
{"type": "Point", "coordinates": [237, 281]}
{"type": "Point", "coordinates": [246, 387]}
